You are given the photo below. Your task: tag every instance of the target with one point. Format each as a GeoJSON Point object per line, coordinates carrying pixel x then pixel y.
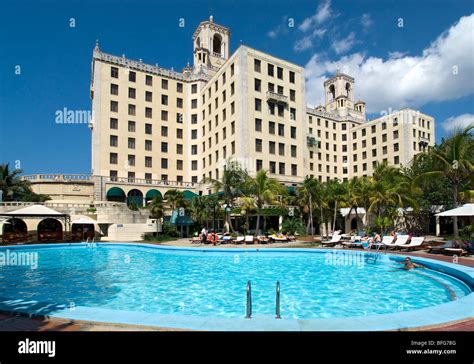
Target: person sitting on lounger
{"type": "Point", "coordinates": [408, 264]}
{"type": "Point", "coordinates": [213, 238]}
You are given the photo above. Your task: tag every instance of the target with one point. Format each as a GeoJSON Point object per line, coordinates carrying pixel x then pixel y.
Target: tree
{"type": "Point", "coordinates": [309, 194]}
{"type": "Point", "coordinates": [265, 190]}
{"type": "Point", "coordinates": [175, 199]}
{"type": "Point", "coordinates": [358, 195]}
{"type": "Point", "coordinates": [232, 185]}
{"type": "Point", "coordinates": [156, 208]}
{"type": "Point", "coordinates": [15, 189]}
{"type": "Point", "coordinates": [453, 159]}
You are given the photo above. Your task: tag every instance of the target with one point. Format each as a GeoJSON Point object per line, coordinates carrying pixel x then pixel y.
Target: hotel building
{"type": "Point", "coordinates": [155, 129]}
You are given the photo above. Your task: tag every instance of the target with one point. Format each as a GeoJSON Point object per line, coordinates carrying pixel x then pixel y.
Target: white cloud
{"type": "Point", "coordinates": [366, 21]}
{"type": "Point", "coordinates": [323, 12]}
{"type": "Point", "coordinates": [405, 81]}
{"type": "Point", "coordinates": [343, 45]}
{"type": "Point", "coordinates": [458, 122]}
{"type": "Point", "coordinates": [307, 41]}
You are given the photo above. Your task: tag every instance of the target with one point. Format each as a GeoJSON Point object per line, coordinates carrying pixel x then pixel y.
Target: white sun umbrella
{"type": "Point", "coordinates": [88, 221]}
{"type": "Point", "coordinates": [464, 210]}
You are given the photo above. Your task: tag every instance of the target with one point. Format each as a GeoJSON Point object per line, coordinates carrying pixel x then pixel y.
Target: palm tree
{"type": "Point", "coordinates": [231, 185]}
{"type": "Point", "coordinates": [335, 195]}
{"type": "Point", "coordinates": [198, 209]}
{"type": "Point", "coordinates": [247, 204]}
{"type": "Point", "coordinates": [454, 160]}
{"type": "Point", "coordinates": [265, 190]}
{"type": "Point", "coordinates": [14, 188]}
{"type": "Point", "coordinates": [358, 194]}
{"type": "Point", "coordinates": [391, 189]}
{"type": "Point", "coordinates": [156, 208]}
{"type": "Point", "coordinates": [175, 199]}
{"type": "Point", "coordinates": [309, 193]}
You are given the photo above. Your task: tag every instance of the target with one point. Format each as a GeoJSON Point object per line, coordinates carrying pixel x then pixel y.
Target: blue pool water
{"type": "Point", "coordinates": [213, 284]}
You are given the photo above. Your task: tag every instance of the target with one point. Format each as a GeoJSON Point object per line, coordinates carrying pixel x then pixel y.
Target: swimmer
{"type": "Point", "coordinates": [408, 264]}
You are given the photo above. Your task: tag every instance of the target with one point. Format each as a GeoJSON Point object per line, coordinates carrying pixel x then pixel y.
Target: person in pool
{"type": "Point", "coordinates": [408, 264]}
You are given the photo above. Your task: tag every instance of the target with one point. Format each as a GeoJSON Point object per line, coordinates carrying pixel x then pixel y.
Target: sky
{"type": "Point", "coordinates": [417, 54]}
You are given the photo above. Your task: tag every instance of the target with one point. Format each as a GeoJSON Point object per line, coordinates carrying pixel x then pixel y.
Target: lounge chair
{"type": "Point", "coordinates": [195, 240]}
{"type": "Point", "coordinates": [238, 240]}
{"type": "Point", "coordinates": [278, 238]}
{"type": "Point", "coordinates": [415, 242]}
{"type": "Point", "coordinates": [262, 239]}
{"type": "Point", "coordinates": [248, 239]}
{"type": "Point", "coordinates": [401, 241]}
{"type": "Point", "coordinates": [440, 248]}
{"type": "Point", "coordinates": [389, 242]}
{"type": "Point", "coordinates": [458, 248]}
{"type": "Point", "coordinates": [335, 240]}
{"type": "Point", "coordinates": [357, 242]}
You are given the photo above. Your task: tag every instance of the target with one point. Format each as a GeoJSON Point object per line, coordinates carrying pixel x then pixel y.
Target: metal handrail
{"type": "Point", "coordinates": [277, 308]}
{"type": "Point", "coordinates": [249, 301]}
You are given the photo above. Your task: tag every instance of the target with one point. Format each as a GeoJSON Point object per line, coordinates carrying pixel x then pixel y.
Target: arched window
{"type": "Point", "coordinates": [198, 42]}
{"type": "Point", "coordinates": [348, 89]}
{"type": "Point", "coordinates": [217, 44]}
{"type": "Point", "coordinates": [332, 91]}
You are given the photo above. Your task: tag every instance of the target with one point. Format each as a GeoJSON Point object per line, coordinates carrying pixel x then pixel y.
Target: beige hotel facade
{"type": "Point", "coordinates": [154, 129]}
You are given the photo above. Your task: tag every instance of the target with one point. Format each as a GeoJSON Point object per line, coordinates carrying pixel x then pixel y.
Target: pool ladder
{"type": "Point", "coordinates": [248, 313]}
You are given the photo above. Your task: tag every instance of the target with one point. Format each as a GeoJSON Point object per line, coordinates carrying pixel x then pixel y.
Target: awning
{"type": "Point", "coordinates": [84, 220]}
{"type": "Point", "coordinates": [464, 210]}
{"type": "Point", "coordinates": [35, 211]}
{"type": "Point", "coordinates": [188, 195]}
{"type": "Point", "coordinates": [175, 219]}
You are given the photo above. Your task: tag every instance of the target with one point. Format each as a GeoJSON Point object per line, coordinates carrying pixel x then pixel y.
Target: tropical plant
{"type": "Point", "coordinates": [309, 194]}
{"type": "Point", "coordinates": [175, 199]}
{"type": "Point", "coordinates": [16, 189]}
{"type": "Point", "coordinates": [265, 190]}
{"type": "Point", "coordinates": [453, 159]}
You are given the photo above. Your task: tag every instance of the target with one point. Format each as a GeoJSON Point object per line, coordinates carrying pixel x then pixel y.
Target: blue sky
{"type": "Point", "coordinates": [394, 66]}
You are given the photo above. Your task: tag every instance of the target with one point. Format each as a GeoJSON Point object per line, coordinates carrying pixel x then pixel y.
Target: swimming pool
{"type": "Point", "coordinates": [163, 286]}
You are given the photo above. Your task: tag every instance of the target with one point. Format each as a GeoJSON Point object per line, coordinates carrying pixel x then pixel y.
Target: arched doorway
{"type": "Point", "coordinates": [50, 229]}
{"type": "Point", "coordinates": [116, 194]}
{"type": "Point", "coordinates": [151, 194]}
{"type": "Point", "coordinates": [354, 224]}
{"type": "Point", "coordinates": [14, 230]}
{"type": "Point", "coordinates": [135, 198]}
{"type": "Point", "coordinates": [217, 44]}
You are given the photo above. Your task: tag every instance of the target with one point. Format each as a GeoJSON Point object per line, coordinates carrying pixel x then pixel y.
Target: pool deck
{"type": "Point", "coordinates": [22, 322]}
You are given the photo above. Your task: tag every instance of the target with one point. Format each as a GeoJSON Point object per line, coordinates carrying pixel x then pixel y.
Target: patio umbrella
{"type": "Point", "coordinates": [464, 210]}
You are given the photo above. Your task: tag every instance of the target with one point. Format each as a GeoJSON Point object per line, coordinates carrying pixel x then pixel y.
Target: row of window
{"type": "Point", "coordinates": [272, 148]}
{"type": "Point", "coordinates": [132, 77]}
{"type": "Point", "coordinates": [257, 66]}
{"type": "Point", "coordinates": [271, 88]}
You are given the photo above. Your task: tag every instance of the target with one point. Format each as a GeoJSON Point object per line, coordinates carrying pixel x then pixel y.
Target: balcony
{"type": "Point", "coordinates": [423, 142]}
{"type": "Point", "coordinates": [312, 143]}
{"type": "Point", "coordinates": [276, 97]}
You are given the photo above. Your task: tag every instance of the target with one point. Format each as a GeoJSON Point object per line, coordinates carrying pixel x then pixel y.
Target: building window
{"type": "Point", "coordinates": [113, 158]}
{"type": "Point", "coordinates": [131, 143]}
{"type": "Point", "coordinates": [272, 167]}
{"type": "Point", "coordinates": [164, 131]}
{"type": "Point", "coordinates": [179, 165]}
{"type": "Point", "coordinates": [258, 124]}
{"type": "Point", "coordinates": [149, 80]}
{"type": "Point", "coordinates": [164, 99]}
{"type": "Point", "coordinates": [164, 115]}
{"type": "Point", "coordinates": [258, 145]}
{"type": "Point", "coordinates": [164, 163]}
{"type": "Point", "coordinates": [179, 133]}
{"type": "Point", "coordinates": [271, 127]}
{"type": "Point", "coordinates": [179, 148]}
{"type": "Point", "coordinates": [281, 129]}
{"type": "Point", "coordinates": [293, 96]}
{"type": "Point", "coordinates": [257, 64]}
{"type": "Point", "coordinates": [164, 147]}
{"type": "Point", "coordinates": [396, 160]}
{"type": "Point", "coordinates": [131, 93]}
{"type": "Point", "coordinates": [114, 141]}
{"type": "Point", "coordinates": [179, 103]}
{"type": "Point", "coordinates": [281, 149]}
{"type": "Point", "coordinates": [113, 123]}
{"type": "Point", "coordinates": [258, 85]}
{"type": "Point", "coordinates": [294, 170]}
{"type": "Point", "coordinates": [148, 96]}
{"type": "Point", "coordinates": [114, 106]}
{"type": "Point", "coordinates": [396, 147]}
{"type": "Point", "coordinates": [395, 134]}
{"type": "Point", "coordinates": [194, 88]}
{"type": "Point", "coordinates": [131, 109]}
{"type": "Point", "coordinates": [114, 72]}
{"type": "Point", "coordinates": [293, 132]}
{"type": "Point", "coordinates": [271, 147]}
{"type": "Point", "coordinates": [281, 168]}
{"type": "Point", "coordinates": [280, 73]}
{"type": "Point", "coordinates": [293, 151]}
{"type": "Point", "coordinates": [292, 77]}
{"type": "Point", "coordinates": [179, 87]}
{"type": "Point", "coordinates": [131, 126]}
{"type": "Point", "coordinates": [259, 164]}
{"type": "Point", "coordinates": [113, 89]}
{"type": "Point", "coordinates": [131, 160]}
{"type": "Point", "coordinates": [148, 112]}
{"type": "Point", "coordinates": [270, 70]}
{"type": "Point", "coordinates": [148, 145]}
{"type": "Point", "coordinates": [164, 84]}
{"type": "Point", "coordinates": [148, 162]}
{"type": "Point", "coordinates": [132, 76]}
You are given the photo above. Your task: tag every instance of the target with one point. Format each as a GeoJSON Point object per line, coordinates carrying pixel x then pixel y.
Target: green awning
{"type": "Point", "coordinates": [181, 220]}
{"type": "Point", "coordinates": [153, 193]}
{"type": "Point", "coordinates": [291, 189]}
{"type": "Point", "coordinates": [188, 195]}
{"type": "Point", "coordinates": [115, 192]}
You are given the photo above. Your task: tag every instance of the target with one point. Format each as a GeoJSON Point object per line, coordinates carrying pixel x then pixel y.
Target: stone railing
{"type": "Point", "coordinates": [57, 177]}
{"type": "Point", "coordinates": [277, 97]}
{"type": "Point", "coordinates": [148, 182]}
